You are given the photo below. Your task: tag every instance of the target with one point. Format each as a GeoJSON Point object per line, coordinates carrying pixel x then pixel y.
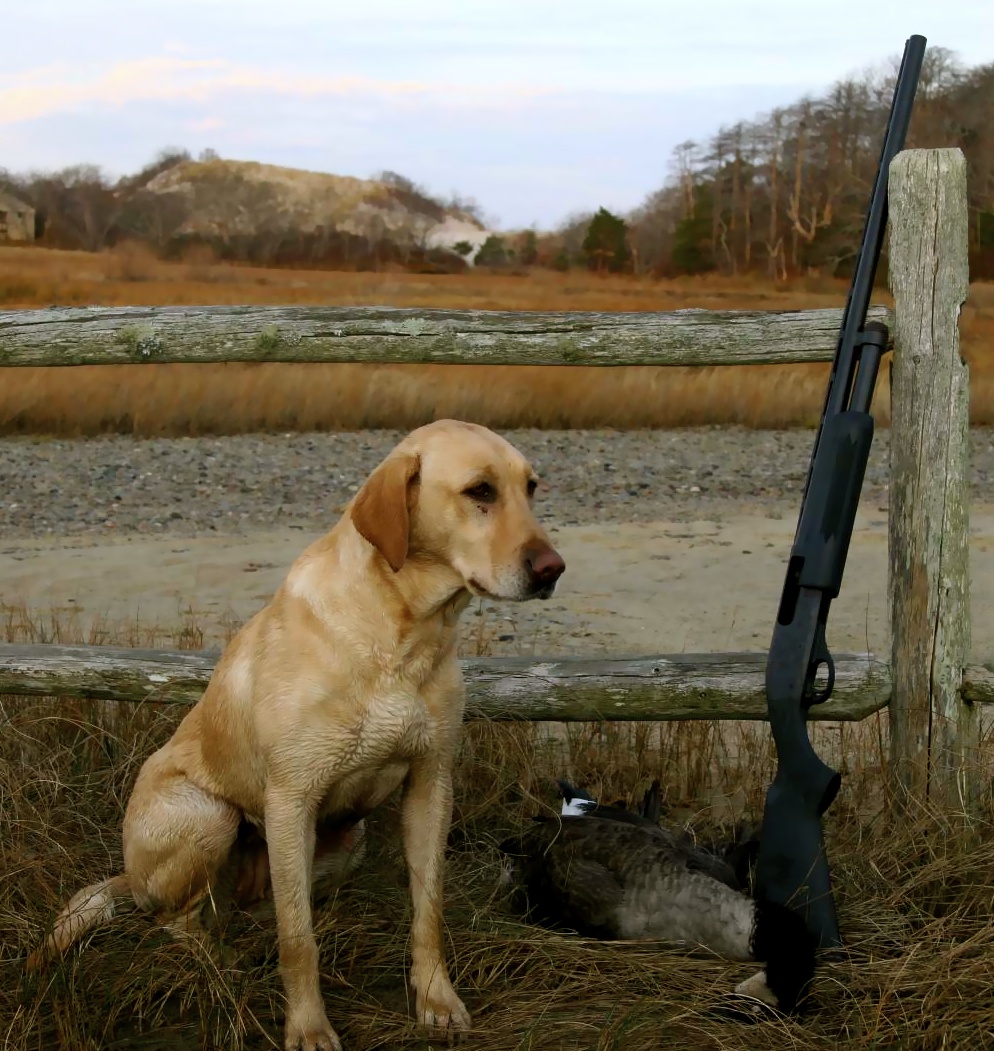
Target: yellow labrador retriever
{"type": "Point", "coordinates": [343, 687]}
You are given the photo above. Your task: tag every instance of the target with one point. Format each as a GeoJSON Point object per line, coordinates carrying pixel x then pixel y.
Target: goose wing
{"type": "Point", "coordinates": [683, 848]}
{"type": "Point", "coordinates": [565, 877]}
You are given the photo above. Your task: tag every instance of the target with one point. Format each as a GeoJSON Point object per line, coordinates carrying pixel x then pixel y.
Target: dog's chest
{"type": "Point", "coordinates": [413, 688]}
{"type": "Point", "coordinates": [393, 734]}
{"type": "Point", "coordinates": [398, 727]}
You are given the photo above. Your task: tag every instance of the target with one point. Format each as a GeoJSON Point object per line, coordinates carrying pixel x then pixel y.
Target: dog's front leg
{"type": "Point", "coordinates": [427, 813]}
{"type": "Point", "coordinates": [290, 834]}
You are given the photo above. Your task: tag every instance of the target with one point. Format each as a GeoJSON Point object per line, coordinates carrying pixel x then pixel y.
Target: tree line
{"type": "Point", "coordinates": [783, 194]}
{"type": "Point", "coordinates": [787, 193]}
{"type": "Point", "coordinates": [236, 217]}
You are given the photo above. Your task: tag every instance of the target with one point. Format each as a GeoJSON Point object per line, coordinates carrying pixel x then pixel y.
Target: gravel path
{"type": "Point", "coordinates": [236, 485]}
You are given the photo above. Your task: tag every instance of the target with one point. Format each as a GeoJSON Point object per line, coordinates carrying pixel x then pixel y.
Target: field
{"type": "Point", "coordinates": [225, 399]}
{"type": "Point", "coordinates": [914, 895]}
{"type": "Point", "coordinates": [914, 902]}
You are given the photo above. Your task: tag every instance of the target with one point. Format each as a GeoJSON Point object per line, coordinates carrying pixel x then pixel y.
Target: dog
{"type": "Point", "coordinates": [345, 686]}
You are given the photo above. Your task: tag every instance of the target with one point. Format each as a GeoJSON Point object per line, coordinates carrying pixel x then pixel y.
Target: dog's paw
{"type": "Point", "coordinates": [443, 1012]}
{"type": "Point", "coordinates": [312, 1038]}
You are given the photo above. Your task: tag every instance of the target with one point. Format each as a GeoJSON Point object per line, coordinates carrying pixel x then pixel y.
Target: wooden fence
{"type": "Point", "coordinates": [931, 691]}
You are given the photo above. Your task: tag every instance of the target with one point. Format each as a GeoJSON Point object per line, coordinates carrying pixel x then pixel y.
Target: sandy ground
{"type": "Point", "coordinates": [635, 588]}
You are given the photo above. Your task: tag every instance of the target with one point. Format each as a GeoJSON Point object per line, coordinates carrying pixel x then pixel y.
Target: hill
{"type": "Point", "coordinates": [230, 199]}
{"type": "Point", "coordinates": [251, 212]}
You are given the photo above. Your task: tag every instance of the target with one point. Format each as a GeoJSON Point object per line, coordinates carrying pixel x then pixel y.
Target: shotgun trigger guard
{"type": "Point", "coordinates": [819, 656]}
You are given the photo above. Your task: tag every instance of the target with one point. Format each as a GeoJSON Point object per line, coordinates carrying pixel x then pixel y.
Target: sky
{"type": "Point", "coordinates": [538, 109]}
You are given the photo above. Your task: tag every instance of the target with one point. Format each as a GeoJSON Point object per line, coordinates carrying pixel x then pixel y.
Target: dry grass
{"type": "Point", "coordinates": [915, 902]}
{"type": "Point", "coordinates": [225, 399]}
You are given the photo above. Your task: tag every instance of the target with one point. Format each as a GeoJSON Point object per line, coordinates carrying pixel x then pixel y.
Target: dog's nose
{"type": "Point", "coordinates": [545, 563]}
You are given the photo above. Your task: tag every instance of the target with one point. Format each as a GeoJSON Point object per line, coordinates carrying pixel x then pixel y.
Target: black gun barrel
{"type": "Point", "coordinates": [861, 288]}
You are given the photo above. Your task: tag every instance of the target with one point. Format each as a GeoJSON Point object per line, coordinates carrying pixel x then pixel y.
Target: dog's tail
{"type": "Point", "coordinates": [91, 907]}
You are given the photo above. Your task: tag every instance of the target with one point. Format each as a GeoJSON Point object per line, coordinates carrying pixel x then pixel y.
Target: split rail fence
{"type": "Point", "coordinates": [930, 688]}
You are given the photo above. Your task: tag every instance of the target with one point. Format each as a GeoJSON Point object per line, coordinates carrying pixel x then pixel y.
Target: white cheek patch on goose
{"type": "Point", "coordinates": [576, 802]}
{"type": "Point", "coordinates": [578, 807]}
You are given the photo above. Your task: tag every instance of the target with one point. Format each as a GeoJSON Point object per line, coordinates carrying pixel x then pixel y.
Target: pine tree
{"type": "Point", "coordinates": [606, 244]}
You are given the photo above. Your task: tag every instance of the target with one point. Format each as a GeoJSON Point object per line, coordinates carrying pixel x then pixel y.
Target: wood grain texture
{"type": "Point", "coordinates": [934, 732]}
{"type": "Point", "coordinates": [128, 335]}
{"type": "Point", "coordinates": [561, 689]}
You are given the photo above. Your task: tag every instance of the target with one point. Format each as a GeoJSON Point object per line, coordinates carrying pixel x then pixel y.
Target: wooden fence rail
{"type": "Point", "coordinates": [931, 691]}
{"type": "Point", "coordinates": [387, 335]}
{"type": "Point", "coordinates": [564, 689]}
{"type": "Point", "coordinates": [667, 687]}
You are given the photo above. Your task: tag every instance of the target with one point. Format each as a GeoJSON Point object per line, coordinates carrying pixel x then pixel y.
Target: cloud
{"type": "Point", "coordinates": [50, 90]}
{"type": "Point", "coordinates": [206, 124]}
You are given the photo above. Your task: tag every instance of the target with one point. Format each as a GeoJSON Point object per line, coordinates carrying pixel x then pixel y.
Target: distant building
{"type": "Point", "coordinates": [17, 219]}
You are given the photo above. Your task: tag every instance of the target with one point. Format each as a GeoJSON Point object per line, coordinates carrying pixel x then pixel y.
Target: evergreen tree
{"type": "Point", "coordinates": [692, 253]}
{"type": "Point", "coordinates": [606, 243]}
{"type": "Point", "coordinates": [493, 252]}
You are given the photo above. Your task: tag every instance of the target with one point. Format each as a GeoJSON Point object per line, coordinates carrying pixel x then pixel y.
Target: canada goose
{"type": "Point", "coordinates": [616, 876]}
{"type": "Point", "coordinates": [730, 861]}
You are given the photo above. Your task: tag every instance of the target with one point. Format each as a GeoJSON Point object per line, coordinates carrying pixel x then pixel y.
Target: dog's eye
{"type": "Point", "coordinates": [532, 486]}
{"type": "Point", "coordinates": [483, 492]}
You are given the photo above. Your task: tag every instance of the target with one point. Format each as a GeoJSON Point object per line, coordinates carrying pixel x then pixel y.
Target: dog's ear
{"type": "Point", "coordinates": [381, 511]}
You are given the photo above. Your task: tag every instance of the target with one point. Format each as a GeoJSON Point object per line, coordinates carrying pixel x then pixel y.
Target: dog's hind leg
{"type": "Point", "coordinates": [177, 839]}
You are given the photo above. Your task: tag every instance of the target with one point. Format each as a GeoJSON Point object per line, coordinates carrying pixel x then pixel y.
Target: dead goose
{"type": "Point", "coordinates": [614, 878]}
{"type": "Point", "coordinates": [730, 861]}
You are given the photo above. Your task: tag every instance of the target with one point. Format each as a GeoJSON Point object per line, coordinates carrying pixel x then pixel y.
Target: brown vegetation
{"type": "Point", "coordinates": [241, 210]}
{"type": "Point", "coordinates": [197, 399]}
{"type": "Point", "coordinates": [913, 899]}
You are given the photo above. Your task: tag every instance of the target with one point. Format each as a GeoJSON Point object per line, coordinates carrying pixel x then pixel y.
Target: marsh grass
{"type": "Point", "coordinates": [150, 400]}
{"type": "Point", "coordinates": [915, 898]}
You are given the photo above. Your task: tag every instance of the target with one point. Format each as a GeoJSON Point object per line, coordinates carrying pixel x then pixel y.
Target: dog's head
{"type": "Point", "coordinates": [458, 495]}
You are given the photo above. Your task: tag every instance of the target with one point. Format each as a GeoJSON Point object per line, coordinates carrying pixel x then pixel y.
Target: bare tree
{"type": "Point", "coordinates": [156, 218]}
{"type": "Point", "coordinates": [749, 144]}
{"type": "Point", "coordinates": [777, 267]}
{"type": "Point", "coordinates": [78, 205]}
{"type": "Point", "coordinates": [685, 162]}
{"type": "Point", "coordinates": [810, 205]}
{"type": "Point", "coordinates": [802, 174]}
{"type": "Point", "coordinates": [653, 225]}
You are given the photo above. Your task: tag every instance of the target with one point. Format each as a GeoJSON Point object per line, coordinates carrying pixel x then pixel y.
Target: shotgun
{"type": "Point", "coordinates": [792, 868]}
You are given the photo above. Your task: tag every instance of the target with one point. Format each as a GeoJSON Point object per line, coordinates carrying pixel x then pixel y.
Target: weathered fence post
{"type": "Point", "coordinates": [934, 733]}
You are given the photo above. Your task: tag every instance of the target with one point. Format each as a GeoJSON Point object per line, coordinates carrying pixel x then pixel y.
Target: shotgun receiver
{"type": "Point", "coordinates": [792, 868]}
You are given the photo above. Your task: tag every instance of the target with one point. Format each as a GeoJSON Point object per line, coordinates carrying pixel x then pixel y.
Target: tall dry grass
{"type": "Point", "coordinates": [225, 399]}
{"type": "Point", "coordinates": [915, 901]}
